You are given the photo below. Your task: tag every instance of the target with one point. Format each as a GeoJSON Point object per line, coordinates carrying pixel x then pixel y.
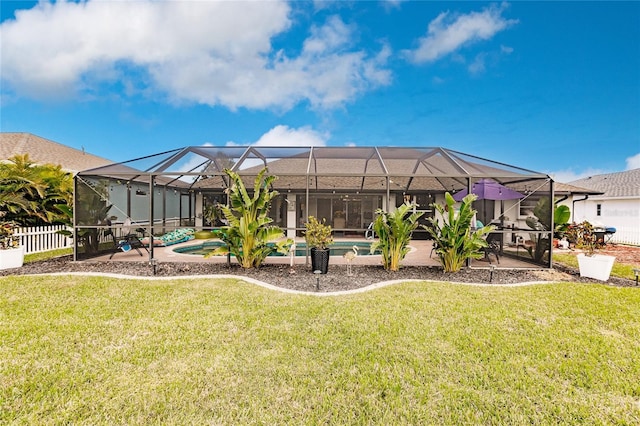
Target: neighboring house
{"type": "Point", "coordinates": [45, 151]}
{"type": "Point", "coordinates": [617, 205]}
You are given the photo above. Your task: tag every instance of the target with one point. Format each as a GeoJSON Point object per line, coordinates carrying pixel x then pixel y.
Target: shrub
{"type": "Point", "coordinates": [394, 232]}
{"type": "Point", "coordinates": [318, 234]}
{"type": "Point", "coordinates": [250, 230]}
{"type": "Point", "coordinates": [454, 240]}
{"type": "Point", "coordinates": [583, 237]}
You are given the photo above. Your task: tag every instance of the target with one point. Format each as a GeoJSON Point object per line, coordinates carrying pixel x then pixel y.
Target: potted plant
{"type": "Point", "coordinates": [318, 236]}
{"type": "Point", "coordinates": [11, 252]}
{"type": "Point", "coordinates": [591, 265]}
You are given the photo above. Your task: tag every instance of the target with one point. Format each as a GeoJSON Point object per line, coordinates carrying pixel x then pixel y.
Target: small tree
{"type": "Point", "coordinates": [318, 234]}
{"type": "Point", "coordinates": [394, 232]}
{"type": "Point", "coordinates": [249, 232]}
{"type": "Point", "coordinates": [454, 239]}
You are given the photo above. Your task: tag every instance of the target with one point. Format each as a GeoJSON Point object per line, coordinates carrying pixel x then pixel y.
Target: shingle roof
{"type": "Point", "coordinates": [43, 151]}
{"type": "Point", "coordinates": [620, 184]}
{"type": "Point", "coordinates": [565, 188]}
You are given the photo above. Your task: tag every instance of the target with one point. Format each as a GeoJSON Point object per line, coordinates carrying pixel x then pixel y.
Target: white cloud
{"type": "Point", "coordinates": [448, 33]}
{"type": "Point", "coordinates": [569, 175]}
{"type": "Point", "coordinates": [478, 64]}
{"type": "Point", "coordinates": [282, 135]}
{"type": "Point", "coordinates": [506, 49]}
{"type": "Point", "coordinates": [392, 4]}
{"type": "Point", "coordinates": [215, 53]}
{"type": "Point", "coordinates": [633, 162]}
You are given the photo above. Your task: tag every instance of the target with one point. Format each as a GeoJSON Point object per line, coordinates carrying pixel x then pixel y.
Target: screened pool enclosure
{"type": "Point", "coordinates": [344, 185]}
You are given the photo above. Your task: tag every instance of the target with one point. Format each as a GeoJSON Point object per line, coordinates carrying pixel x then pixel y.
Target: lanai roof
{"type": "Point", "coordinates": [359, 168]}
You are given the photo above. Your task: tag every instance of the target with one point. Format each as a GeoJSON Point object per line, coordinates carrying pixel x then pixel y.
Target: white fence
{"type": "Point", "coordinates": [43, 238]}
{"type": "Point", "coordinates": [38, 239]}
{"type": "Point", "coordinates": [626, 235]}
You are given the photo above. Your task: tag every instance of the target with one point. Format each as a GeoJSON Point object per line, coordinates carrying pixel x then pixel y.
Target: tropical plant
{"type": "Point", "coordinates": [92, 208]}
{"type": "Point", "coordinates": [540, 221]}
{"type": "Point", "coordinates": [29, 192]}
{"type": "Point", "coordinates": [455, 240]}
{"type": "Point", "coordinates": [318, 234]}
{"type": "Point", "coordinates": [583, 236]}
{"type": "Point", "coordinates": [394, 232]}
{"type": "Point", "coordinates": [212, 214]}
{"type": "Point", "coordinates": [250, 237]}
{"type": "Point", "coordinates": [561, 216]}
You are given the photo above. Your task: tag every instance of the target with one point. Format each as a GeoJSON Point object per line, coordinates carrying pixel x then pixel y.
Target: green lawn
{"type": "Point", "coordinates": [89, 350]}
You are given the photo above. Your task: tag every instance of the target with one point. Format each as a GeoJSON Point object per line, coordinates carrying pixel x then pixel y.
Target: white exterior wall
{"type": "Point", "coordinates": [620, 213]}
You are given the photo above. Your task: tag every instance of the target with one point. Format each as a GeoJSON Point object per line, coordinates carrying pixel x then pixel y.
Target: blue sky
{"type": "Point", "coordinates": [549, 86]}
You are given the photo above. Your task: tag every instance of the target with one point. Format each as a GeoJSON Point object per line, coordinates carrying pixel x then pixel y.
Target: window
{"type": "Point", "coordinates": [527, 205]}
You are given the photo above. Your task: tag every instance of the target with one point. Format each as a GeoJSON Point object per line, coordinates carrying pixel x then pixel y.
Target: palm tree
{"type": "Point", "coordinates": [29, 192]}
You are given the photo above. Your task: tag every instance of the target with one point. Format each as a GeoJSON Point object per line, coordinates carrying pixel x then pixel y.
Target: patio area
{"type": "Point", "coordinates": [420, 255]}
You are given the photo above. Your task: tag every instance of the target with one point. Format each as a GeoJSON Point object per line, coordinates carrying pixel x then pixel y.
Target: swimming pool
{"type": "Point", "coordinates": [336, 249]}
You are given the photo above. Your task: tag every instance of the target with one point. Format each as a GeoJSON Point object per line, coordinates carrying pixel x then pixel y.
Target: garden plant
{"type": "Point", "coordinates": [250, 235]}
{"type": "Point", "coordinates": [454, 239]}
{"type": "Point", "coordinates": [394, 232]}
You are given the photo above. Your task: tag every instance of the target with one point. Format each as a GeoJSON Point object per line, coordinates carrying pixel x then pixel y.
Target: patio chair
{"type": "Point", "coordinates": [493, 247]}
{"type": "Point", "coordinates": [126, 241]}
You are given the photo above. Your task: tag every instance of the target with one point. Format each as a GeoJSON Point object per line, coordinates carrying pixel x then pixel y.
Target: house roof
{"type": "Point", "coordinates": [567, 189]}
{"type": "Point", "coordinates": [620, 184]}
{"type": "Point", "coordinates": [45, 151]}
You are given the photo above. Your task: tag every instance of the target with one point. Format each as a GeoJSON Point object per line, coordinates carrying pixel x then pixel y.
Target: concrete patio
{"type": "Point", "coordinates": [420, 255]}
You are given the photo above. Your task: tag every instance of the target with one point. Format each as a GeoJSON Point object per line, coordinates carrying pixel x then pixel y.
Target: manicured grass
{"type": "Point", "coordinates": [46, 255]}
{"type": "Point", "coordinates": [620, 270]}
{"type": "Point", "coordinates": [90, 350]}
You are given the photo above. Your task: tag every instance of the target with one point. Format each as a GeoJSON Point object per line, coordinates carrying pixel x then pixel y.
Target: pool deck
{"type": "Point", "coordinates": [420, 255]}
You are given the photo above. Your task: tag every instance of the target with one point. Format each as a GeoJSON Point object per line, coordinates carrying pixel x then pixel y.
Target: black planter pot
{"type": "Point", "coordinates": [320, 260]}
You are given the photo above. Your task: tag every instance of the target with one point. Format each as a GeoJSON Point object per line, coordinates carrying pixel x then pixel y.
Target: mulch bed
{"type": "Point", "coordinates": [301, 278]}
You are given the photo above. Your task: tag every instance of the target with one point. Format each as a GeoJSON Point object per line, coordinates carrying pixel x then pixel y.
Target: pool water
{"type": "Point", "coordinates": [336, 249]}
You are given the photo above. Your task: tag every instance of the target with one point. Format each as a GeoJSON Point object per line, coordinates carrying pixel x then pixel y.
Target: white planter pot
{"type": "Point", "coordinates": [597, 266]}
{"type": "Point", "coordinates": [12, 258]}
